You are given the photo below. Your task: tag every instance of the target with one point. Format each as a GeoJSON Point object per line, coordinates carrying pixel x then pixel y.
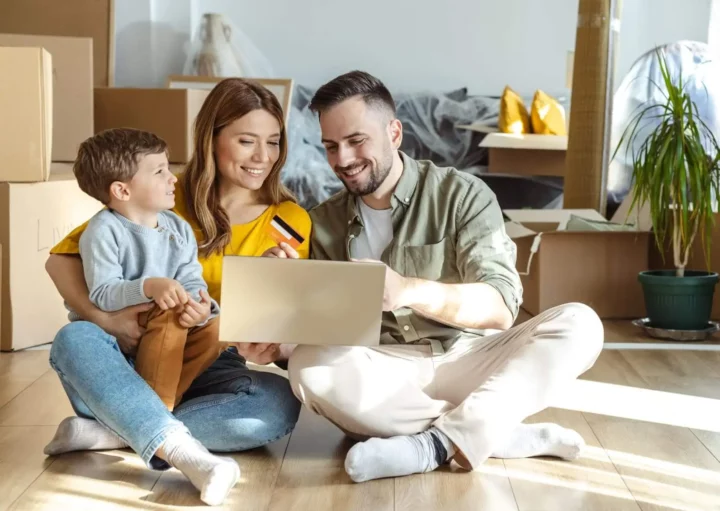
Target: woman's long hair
{"type": "Point", "coordinates": [229, 100]}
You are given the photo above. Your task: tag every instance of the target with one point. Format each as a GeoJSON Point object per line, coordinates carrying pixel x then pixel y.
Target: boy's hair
{"type": "Point", "coordinates": [354, 83]}
{"type": "Point", "coordinates": [112, 155]}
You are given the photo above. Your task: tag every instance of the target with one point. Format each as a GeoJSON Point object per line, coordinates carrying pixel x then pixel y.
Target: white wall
{"type": "Point", "coordinates": [410, 44]}
{"type": "Point", "coordinates": [649, 23]}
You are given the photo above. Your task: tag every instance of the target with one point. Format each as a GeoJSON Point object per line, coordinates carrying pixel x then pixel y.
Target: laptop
{"type": "Point", "coordinates": [301, 301]}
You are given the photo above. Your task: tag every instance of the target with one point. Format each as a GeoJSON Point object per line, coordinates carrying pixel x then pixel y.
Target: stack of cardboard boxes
{"type": "Point", "coordinates": [56, 90]}
{"type": "Point", "coordinates": [46, 111]}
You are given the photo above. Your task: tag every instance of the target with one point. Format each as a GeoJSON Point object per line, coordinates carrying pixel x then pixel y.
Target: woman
{"type": "Point", "coordinates": [229, 192]}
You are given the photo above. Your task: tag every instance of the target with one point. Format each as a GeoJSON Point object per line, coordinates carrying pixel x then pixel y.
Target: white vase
{"type": "Point", "coordinates": [215, 55]}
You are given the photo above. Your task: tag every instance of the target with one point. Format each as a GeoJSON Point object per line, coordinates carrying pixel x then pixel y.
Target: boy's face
{"type": "Point", "coordinates": [152, 188]}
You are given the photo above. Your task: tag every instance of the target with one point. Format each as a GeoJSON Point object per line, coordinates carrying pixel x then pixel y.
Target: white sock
{"type": "Point", "coordinates": [398, 456]}
{"type": "Point", "coordinates": [78, 434]}
{"type": "Point", "coordinates": [528, 440]}
{"type": "Point", "coordinates": [214, 476]}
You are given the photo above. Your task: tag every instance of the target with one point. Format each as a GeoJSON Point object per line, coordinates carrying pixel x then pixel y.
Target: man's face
{"type": "Point", "coordinates": [358, 139]}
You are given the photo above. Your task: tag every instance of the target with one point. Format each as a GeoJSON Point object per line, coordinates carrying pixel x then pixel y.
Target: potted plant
{"type": "Point", "coordinates": [676, 170]}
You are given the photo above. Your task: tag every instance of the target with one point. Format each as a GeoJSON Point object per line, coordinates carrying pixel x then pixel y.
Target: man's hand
{"type": "Point", "coordinates": [258, 353]}
{"type": "Point", "coordinates": [194, 312]}
{"type": "Point", "coordinates": [282, 251]}
{"type": "Point", "coordinates": [167, 293]}
{"type": "Point", "coordinates": [124, 326]}
{"type": "Point", "coordinates": [397, 288]}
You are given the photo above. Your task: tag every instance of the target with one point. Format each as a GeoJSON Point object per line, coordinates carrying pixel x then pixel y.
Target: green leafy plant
{"type": "Point", "coordinates": [674, 171]}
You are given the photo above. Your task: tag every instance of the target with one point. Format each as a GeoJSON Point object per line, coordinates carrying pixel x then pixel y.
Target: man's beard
{"type": "Point", "coordinates": [376, 176]}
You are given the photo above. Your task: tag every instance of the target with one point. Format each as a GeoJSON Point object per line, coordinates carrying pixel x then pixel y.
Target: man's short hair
{"type": "Point", "coordinates": [112, 155]}
{"type": "Point", "coordinates": [349, 85]}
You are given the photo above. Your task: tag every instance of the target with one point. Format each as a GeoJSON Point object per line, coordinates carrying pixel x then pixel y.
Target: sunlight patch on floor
{"type": "Point", "coordinates": [641, 404]}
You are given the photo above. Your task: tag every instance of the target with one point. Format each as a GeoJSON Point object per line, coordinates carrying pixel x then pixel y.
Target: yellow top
{"type": "Point", "coordinates": [250, 239]}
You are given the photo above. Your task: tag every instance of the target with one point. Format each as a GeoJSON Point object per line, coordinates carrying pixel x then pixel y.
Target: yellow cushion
{"type": "Point", "coordinates": [547, 115]}
{"type": "Point", "coordinates": [513, 113]}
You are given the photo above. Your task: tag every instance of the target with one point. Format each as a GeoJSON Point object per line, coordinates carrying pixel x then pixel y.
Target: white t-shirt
{"type": "Point", "coordinates": [377, 234]}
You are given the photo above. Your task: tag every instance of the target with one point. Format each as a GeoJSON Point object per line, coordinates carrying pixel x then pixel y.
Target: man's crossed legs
{"type": "Point", "coordinates": [418, 410]}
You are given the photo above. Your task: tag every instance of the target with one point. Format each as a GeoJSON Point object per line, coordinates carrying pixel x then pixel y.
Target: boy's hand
{"type": "Point", "coordinates": [195, 312]}
{"type": "Point", "coordinates": [167, 293]}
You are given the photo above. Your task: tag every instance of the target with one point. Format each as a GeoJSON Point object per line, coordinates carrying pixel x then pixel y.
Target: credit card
{"type": "Point", "coordinates": [281, 232]}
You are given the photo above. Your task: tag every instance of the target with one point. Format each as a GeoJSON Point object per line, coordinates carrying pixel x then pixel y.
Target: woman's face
{"type": "Point", "coordinates": [247, 149]}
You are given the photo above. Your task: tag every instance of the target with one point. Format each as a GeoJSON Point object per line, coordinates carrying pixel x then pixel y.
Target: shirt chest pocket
{"type": "Point", "coordinates": [434, 261]}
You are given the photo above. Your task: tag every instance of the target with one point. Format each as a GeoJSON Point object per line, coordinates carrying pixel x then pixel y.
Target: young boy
{"type": "Point", "coordinates": [137, 251]}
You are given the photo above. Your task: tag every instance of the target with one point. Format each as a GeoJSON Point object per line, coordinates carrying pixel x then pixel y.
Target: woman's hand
{"type": "Point", "coordinates": [282, 251]}
{"type": "Point", "coordinates": [258, 353]}
{"type": "Point", "coordinates": [124, 326]}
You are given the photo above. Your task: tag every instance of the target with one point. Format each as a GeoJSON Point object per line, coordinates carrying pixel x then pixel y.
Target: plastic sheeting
{"type": "Point", "coordinates": [643, 87]}
{"type": "Point", "coordinates": [429, 132]}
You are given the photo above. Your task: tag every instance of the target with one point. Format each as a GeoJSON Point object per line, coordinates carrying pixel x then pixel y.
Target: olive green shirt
{"type": "Point", "coordinates": [447, 227]}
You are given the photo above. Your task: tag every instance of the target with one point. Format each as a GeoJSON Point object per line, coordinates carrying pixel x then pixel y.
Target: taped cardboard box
{"type": "Point", "coordinates": [168, 113]}
{"type": "Point", "coordinates": [73, 18]}
{"type": "Point", "coordinates": [26, 102]}
{"type": "Point", "coordinates": [33, 218]}
{"type": "Point", "coordinates": [526, 155]}
{"type": "Point", "coordinates": [576, 256]}
{"type": "Point", "coordinates": [72, 88]}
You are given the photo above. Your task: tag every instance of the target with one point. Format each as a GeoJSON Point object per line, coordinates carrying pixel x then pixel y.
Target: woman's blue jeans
{"type": "Point", "coordinates": [228, 408]}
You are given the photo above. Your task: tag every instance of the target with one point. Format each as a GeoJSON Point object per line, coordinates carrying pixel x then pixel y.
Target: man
{"type": "Point", "coordinates": [451, 379]}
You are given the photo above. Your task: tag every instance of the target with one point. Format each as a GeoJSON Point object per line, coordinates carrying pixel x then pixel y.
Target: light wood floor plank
{"type": "Point", "coordinates": [454, 489]}
{"type": "Point", "coordinates": [665, 467]}
{"type": "Point", "coordinates": [710, 440]}
{"type": "Point", "coordinates": [91, 481]}
{"type": "Point", "coordinates": [313, 476]}
{"type": "Point", "coordinates": [613, 367]}
{"type": "Point", "coordinates": [21, 459]}
{"type": "Point", "coordinates": [20, 370]}
{"type": "Point", "coordinates": [44, 403]}
{"type": "Point", "coordinates": [589, 483]}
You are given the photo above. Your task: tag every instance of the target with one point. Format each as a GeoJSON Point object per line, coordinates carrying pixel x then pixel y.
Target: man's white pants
{"type": "Point", "coordinates": [476, 393]}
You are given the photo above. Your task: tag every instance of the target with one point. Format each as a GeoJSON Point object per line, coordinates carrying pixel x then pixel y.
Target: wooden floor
{"type": "Point", "coordinates": [629, 464]}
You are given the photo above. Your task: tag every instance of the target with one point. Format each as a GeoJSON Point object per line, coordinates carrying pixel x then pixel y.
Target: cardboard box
{"type": "Point", "coordinates": [595, 267]}
{"type": "Point", "coordinates": [526, 155]}
{"type": "Point", "coordinates": [26, 102]}
{"type": "Point", "coordinates": [33, 218]}
{"type": "Point", "coordinates": [74, 18]}
{"type": "Point", "coordinates": [169, 113]}
{"type": "Point", "coordinates": [72, 89]}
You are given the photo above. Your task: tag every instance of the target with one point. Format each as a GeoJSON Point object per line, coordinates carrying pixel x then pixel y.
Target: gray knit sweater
{"type": "Point", "coordinates": [119, 255]}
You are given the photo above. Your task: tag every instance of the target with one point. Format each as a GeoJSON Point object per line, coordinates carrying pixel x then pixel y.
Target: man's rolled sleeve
{"type": "Point", "coordinates": [485, 253]}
